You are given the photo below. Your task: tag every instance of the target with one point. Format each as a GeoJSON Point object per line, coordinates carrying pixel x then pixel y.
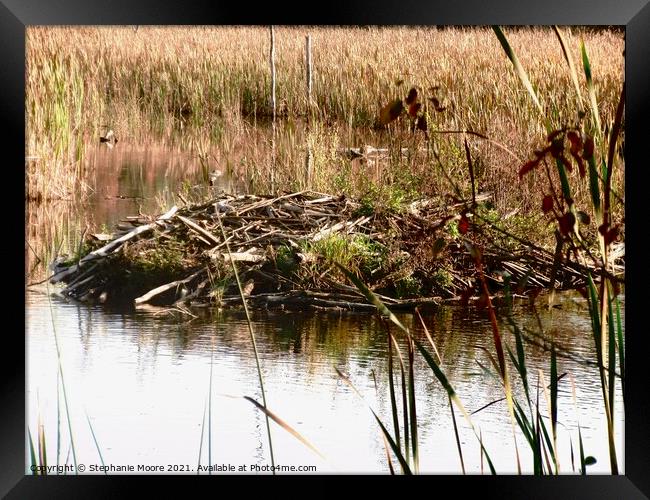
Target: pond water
{"type": "Point", "coordinates": [143, 379]}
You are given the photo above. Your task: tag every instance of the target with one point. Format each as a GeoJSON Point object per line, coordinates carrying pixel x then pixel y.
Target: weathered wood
{"type": "Point", "coordinates": [260, 229]}
{"type": "Point", "coordinates": [193, 225]}
{"type": "Point", "coordinates": [169, 286]}
{"type": "Point", "coordinates": [110, 247]}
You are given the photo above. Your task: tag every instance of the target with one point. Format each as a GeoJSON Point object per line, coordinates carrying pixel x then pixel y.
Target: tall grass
{"type": "Point", "coordinates": [83, 80]}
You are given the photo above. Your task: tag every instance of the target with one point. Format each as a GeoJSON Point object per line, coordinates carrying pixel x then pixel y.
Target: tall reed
{"type": "Point", "coordinates": [589, 143]}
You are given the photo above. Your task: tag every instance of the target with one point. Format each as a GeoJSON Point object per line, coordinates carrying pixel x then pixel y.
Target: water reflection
{"type": "Point", "coordinates": [143, 380]}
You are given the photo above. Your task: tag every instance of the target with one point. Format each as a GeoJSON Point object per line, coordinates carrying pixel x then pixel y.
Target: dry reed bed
{"type": "Point", "coordinates": [284, 248]}
{"type": "Point", "coordinates": [81, 80]}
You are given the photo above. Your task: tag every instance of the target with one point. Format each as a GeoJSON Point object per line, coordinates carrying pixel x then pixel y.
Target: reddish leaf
{"type": "Point", "coordinates": [547, 203]}
{"type": "Point", "coordinates": [528, 166]}
{"type": "Point", "coordinates": [611, 235]}
{"type": "Point", "coordinates": [391, 112]}
{"type": "Point", "coordinates": [413, 95]}
{"type": "Point", "coordinates": [588, 150]}
{"type": "Point", "coordinates": [602, 229]}
{"type": "Point", "coordinates": [580, 162]}
{"type": "Point", "coordinates": [567, 221]}
{"type": "Point", "coordinates": [583, 292]}
{"type": "Point", "coordinates": [414, 108]}
{"type": "Point", "coordinates": [576, 142]}
{"type": "Point", "coordinates": [533, 293]}
{"type": "Point", "coordinates": [463, 225]}
{"type": "Point", "coordinates": [557, 146]}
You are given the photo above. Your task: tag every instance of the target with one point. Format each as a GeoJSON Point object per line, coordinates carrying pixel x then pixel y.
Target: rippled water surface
{"type": "Point", "coordinates": [144, 381]}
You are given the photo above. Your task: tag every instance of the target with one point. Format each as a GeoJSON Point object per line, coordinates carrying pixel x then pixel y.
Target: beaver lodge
{"type": "Point", "coordinates": [284, 248]}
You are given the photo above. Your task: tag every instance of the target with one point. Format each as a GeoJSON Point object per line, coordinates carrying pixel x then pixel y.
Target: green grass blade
{"type": "Point", "coordinates": [594, 183]}
{"type": "Point", "coordinates": [564, 182]}
{"type": "Point", "coordinates": [32, 453]}
{"type": "Point", "coordinates": [554, 406]}
{"type": "Point", "coordinates": [391, 388]}
{"type": "Point", "coordinates": [405, 410]}
{"type": "Point", "coordinates": [583, 465]}
{"type": "Point", "coordinates": [198, 465]}
{"type": "Point", "coordinates": [460, 449]}
{"type": "Point", "coordinates": [537, 452]}
{"type": "Point", "coordinates": [525, 425]}
{"type": "Point", "coordinates": [372, 298]}
{"type": "Point", "coordinates": [413, 411]}
{"type": "Point", "coordinates": [210, 407]}
{"type": "Point", "coordinates": [590, 87]}
{"type": "Point", "coordinates": [611, 361]}
{"type": "Point", "coordinates": [385, 441]}
{"type": "Point", "coordinates": [65, 395]}
{"type": "Point", "coordinates": [99, 451]}
{"type": "Point", "coordinates": [521, 357]}
{"type": "Point", "coordinates": [613, 139]}
{"type": "Point", "coordinates": [572, 68]}
{"type": "Point", "coordinates": [518, 68]}
{"type": "Point", "coordinates": [549, 444]}
{"type": "Point", "coordinates": [621, 347]}
{"type": "Point", "coordinates": [594, 313]}
{"type": "Point", "coordinates": [428, 335]}
{"type": "Point", "coordinates": [480, 440]}
{"type": "Point", "coordinates": [58, 418]}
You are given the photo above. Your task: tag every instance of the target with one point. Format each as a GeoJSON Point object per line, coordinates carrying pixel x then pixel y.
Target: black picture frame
{"type": "Point", "coordinates": [15, 15]}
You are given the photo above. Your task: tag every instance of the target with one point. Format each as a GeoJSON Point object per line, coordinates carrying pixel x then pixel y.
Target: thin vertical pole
{"type": "Point", "coordinates": [273, 105]}
{"type": "Point", "coordinates": [272, 57]}
{"type": "Point", "coordinates": [309, 69]}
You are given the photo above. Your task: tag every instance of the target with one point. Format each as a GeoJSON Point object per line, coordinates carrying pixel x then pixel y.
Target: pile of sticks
{"type": "Point", "coordinates": [248, 231]}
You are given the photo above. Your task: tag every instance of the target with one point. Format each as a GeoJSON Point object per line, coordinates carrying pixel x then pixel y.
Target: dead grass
{"type": "Point", "coordinates": [202, 80]}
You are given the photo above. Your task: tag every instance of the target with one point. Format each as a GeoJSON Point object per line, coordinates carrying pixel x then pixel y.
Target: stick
{"type": "Point", "coordinates": [309, 69]}
{"type": "Point", "coordinates": [272, 61]}
{"type": "Point", "coordinates": [163, 288]}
